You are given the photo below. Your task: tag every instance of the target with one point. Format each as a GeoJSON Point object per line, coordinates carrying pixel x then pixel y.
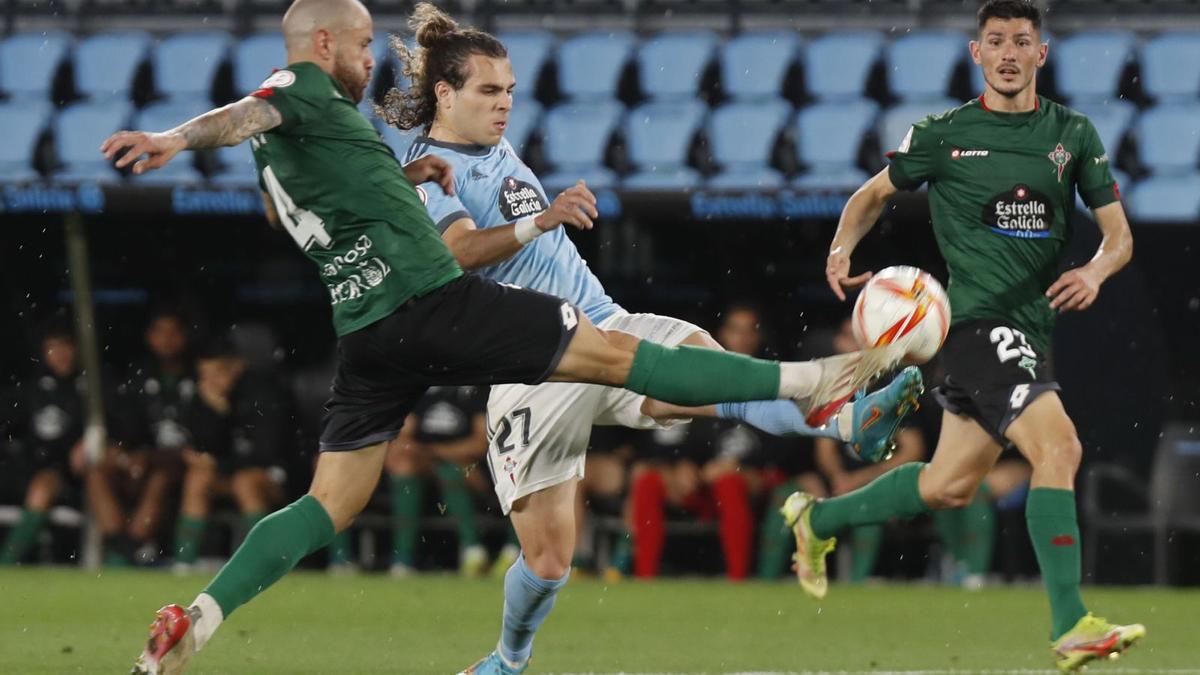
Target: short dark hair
{"type": "Point", "coordinates": [1010, 9]}
{"type": "Point", "coordinates": [220, 346]}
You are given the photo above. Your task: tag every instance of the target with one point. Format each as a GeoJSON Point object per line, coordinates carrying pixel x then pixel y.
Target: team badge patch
{"type": "Point", "coordinates": [278, 80]}
{"type": "Point", "coordinates": [422, 195]}
{"type": "Point", "coordinates": [1061, 158]}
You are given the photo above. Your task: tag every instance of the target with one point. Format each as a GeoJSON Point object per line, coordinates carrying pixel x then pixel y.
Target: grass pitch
{"type": "Point", "coordinates": [69, 621]}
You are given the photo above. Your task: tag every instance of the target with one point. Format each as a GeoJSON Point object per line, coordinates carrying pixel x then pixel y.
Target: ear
{"type": "Point", "coordinates": [973, 47]}
{"type": "Point", "coordinates": [323, 43]}
{"type": "Point", "coordinates": [1043, 51]}
{"type": "Point", "coordinates": [444, 93]}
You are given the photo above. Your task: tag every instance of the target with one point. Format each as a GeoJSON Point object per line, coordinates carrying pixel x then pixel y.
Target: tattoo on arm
{"type": "Point", "coordinates": [229, 125]}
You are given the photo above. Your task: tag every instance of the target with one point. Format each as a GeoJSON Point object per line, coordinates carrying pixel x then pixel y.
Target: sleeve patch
{"type": "Point", "coordinates": [906, 144]}
{"type": "Point", "coordinates": [422, 194]}
{"type": "Point", "coordinates": [279, 79]}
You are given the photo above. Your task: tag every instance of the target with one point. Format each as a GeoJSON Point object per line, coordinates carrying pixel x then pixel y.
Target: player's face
{"type": "Point", "coordinates": [166, 338]}
{"type": "Point", "coordinates": [220, 374]}
{"type": "Point", "coordinates": [353, 60]}
{"type": "Point", "coordinates": [479, 111]}
{"type": "Point", "coordinates": [59, 356]}
{"type": "Point", "coordinates": [843, 341]}
{"type": "Point", "coordinates": [1009, 51]}
{"type": "Point", "coordinates": [740, 333]}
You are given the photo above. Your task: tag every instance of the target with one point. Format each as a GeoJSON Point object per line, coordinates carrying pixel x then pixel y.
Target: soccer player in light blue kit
{"type": "Point", "coordinates": [499, 223]}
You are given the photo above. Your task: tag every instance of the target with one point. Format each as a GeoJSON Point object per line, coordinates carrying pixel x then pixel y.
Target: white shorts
{"type": "Point", "coordinates": [538, 434]}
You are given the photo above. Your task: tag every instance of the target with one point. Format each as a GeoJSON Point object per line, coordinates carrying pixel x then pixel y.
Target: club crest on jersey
{"type": "Point", "coordinates": [518, 199]}
{"type": "Point", "coordinates": [1061, 158]}
{"type": "Point", "coordinates": [1021, 213]}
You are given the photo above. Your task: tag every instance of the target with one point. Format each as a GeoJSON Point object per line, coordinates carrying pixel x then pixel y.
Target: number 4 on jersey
{"type": "Point", "coordinates": [304, 225]}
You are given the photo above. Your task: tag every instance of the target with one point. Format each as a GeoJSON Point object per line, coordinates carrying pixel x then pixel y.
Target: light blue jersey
{"type": "Point", "coordinates": [493, 188]}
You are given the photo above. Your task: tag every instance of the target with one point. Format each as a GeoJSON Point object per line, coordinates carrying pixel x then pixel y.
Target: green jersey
{"type": "Point", "coordinates": [1001, 189]}
{"type": "Point", "coordinates": [341, 194]}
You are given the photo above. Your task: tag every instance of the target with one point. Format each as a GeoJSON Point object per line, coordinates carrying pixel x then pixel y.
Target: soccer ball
{"type": "Point", "coordinates": [905, 306]}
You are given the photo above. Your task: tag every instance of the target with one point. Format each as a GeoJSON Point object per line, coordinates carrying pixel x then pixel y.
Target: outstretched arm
{"type": "Point", "coordinates": [228, 125]}
{"type": "Point", "coordinates": [1078, 288]}
{"type": "Point", "coordinates": [859, 216]}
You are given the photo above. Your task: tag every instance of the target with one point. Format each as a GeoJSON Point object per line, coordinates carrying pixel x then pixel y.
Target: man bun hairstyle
{"type": "Point", "coordinates": [1010, 9]}
{"type": "Point", "coordinates": [442, 54]}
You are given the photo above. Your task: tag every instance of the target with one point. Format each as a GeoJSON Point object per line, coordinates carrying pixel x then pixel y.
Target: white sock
{"type": "Point", "coordinates": [845, 422]}
{"type": "Point", "coordinates": [798, 379]}
{"type": "Point", "coordinates": [210, 618]}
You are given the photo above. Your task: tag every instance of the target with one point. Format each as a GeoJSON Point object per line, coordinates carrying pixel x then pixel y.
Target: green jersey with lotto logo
{"type": "Point", "coordinates": [340, 193]}
{"type": "Point", "coordinates": [1001, 190]}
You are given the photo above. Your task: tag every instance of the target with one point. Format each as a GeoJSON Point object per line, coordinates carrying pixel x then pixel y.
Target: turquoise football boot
{"type": "Point", "coordinates": [877, 416]}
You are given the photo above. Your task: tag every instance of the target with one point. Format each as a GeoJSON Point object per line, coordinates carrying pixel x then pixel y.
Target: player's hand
{"type": "Point", "coordinates": [1075, 290]}
{"type": "Point", "coordinates": [574, 206]}
{"type": "Point", "coordinates": [431, 168]}
{"type": "Point", "coordinates": [157, 148]}
{"type": "Point", "coordinates": [837, 273]}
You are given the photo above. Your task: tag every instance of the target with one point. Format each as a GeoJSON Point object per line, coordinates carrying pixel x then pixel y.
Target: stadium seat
{"type": "Point", "coordinates": [670, 65]}
{"type": "Point", "coordinates": [658, 137]}
{"type": "Point", "coordinates": [590, 65]}
{"type": "Point", "coordinates": [1169, 138]}
{"type": "Point", "coordinates": [576, 137]}
{"type": "Point", "coordinates": [23, 123]}
{"type": "Point", "coordinates": [106, 63]}
{"type": "Point", "coordinates": [1171, 66]}
{"type": "Point", "coordinates": [895, 121]}
{"type": "Point", "coordinates": [1111, 119]}
{"type": "Point", "coordinates": [78, 132]}
{"type": "Point", "coordinates": [528, 51]}
{"type": "Point", "coordinates": [742, 137]}
{"type": "Point", "coordinates": [29, 61]}
{"type": "Point", "coordinates": [1166, 199]}
{"type": "Point", "coordinates": [184, 64]}
{"type": "Point", "coordinates": [754, 65]}
{"type": "Point", "coordinates": [521, 122]}
{"type": "Point", "coordinates": [254, 59]}
{"type": "Point", "coordinates": [828, 136]}
{"type": "Point", "coordinates": [1088, 66]}
{"type": "Point", "coordinates": [836, 65]}
{"type": "Point", "coordinates": [237, 166]}
{"type": "Point", "coordinates": [166, 115]}
{"type": "Point", "coordinates": [920, 65]}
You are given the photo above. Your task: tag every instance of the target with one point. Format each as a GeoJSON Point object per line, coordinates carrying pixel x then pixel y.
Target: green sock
{"type": "Point", "coordinates": [270, 551]}
{"type": "Point", "coordinates": [22, 537]}
{"type": "Point", "coordinates": [459, 504]}
{"type": "Point", "coordinates": [1054, 529]}
{"type": "Point", "coordinates": [866, 541]}
{"type": "Point", "coordinates": [774, 537]}
{"type": "Point", "coordinates": [406, 511]}
{"type": "Point", "coordinates": [688, 375]}
{"type": "Point", "coordinates": [951, 528]}
{"type": "Point", "coordinates": [979, 532]}
{"type": "Point", "coordinates": [892, 495]}
{"type": "Point", "coordinates": [340, 550]}
{"type": "Point", "coordinates": [188, 533]}
{"type": "Point", "coordinates": [622, 555]}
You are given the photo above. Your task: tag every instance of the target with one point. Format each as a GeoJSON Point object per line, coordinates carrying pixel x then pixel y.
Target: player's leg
{"type": "Point", "coordinates": [405, 465]}
{"type": "Point", "coordinates": [101, 482]}
{"type": "Point", "coordinates": [253, 492]}
{"type": "Point", "coordinates": [44, 487]}
{"type": "Point", "coordinates": [151, 507]}
{"type": "Point", "coordinates": [460, 505]}
{"type": "Point", "coordinates": [199, 478]}
{"type": "Point", "coordinates": [735, 523]}
{"type": "Point", "coordinates": [1046, 436]}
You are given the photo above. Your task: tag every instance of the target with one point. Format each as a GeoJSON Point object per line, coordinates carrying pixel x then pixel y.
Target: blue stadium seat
{"type": "Point", "coordinates": [236, 166]}
{"type": "Point", "coordinates": [576, 138]}
{"type": "Point", "coordinates": [1111, 119]}
{"type": "Point", "coordinates": [590, 64]}
{"type": "Point", "coordinates": [28, 62]}
{"type": "Point", "coordinates": [658, 137]}
{"type": "Point", "coordinates": [894, 123]}
{"type": "Point", "coordinates": [165, 115]}
{"type": "Point", "coordinates": [754, 65]}
{"type": "Point", "coordinates": [1171, 66]}
{"type": "Point", "coordinates": [670, 65]}
{"type": "Point", "coordinates": [254, 58]}
{"type": "Point", "coordinates": [836, 65]}
{"type": "Point", "coordinates": [742, 137]}
{"type": "Point", "coordinates": [828, 136]}
{"type": "Point", "coordinates": [920, 65]}
{"type": "Point", "coordinates": [522, 120]}
{"type": "Point", "coordinates": [1169, 138]}
{"type": "Point", "coordinates": [1088, 66]}
{"type": "Point", "coordinates": [106, 63]}
{"type": "Point", "coordinates": [23, 123]}
{"type": "Point", "coordinates": [78, 132]}
{"type": "Point", "coordinates": [1166, 199]}
{"type": "Point", "coordinates": [528, 51]}
{"type": "Point", "coordinates": [184, 64]}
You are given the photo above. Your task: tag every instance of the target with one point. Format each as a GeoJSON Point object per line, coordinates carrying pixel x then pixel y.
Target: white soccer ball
{"type": "Point", "coordinates": [905, 306]}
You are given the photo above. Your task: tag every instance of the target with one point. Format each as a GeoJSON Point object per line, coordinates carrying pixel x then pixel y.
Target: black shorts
{"type": "Point", "coordinates": [992, 374]}
{"type": "Point", "coordinates": [471, 331]}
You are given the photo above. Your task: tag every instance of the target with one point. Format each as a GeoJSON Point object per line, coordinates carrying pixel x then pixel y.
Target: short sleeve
{"type": "Point", "coordinates": [295, 93]}
{"type": "Point", "coordinates": [443, 209]}
{"type": "Point", "coordinates": [1095, 181]}
{"type": "Point", "coordinates": [913, 160]}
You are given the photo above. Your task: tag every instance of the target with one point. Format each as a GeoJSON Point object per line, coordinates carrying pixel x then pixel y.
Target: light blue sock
{"type": "Point", "coordinates": [778, 418]}
{"type": "Point", "coordinates": [528, 598]}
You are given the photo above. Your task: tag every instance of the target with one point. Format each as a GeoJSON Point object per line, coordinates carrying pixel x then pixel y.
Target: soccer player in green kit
{"type": "Point", "coordinates": [406, 316]}
{"type": "Point", "coordinates": [1002, 173]}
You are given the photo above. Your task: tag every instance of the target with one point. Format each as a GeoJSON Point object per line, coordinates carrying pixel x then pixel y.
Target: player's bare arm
{"type": "Point", "coordinates": [1078, 288]}
{"type": "Point", "coordinates": [858, 217]}
{"type": "Point", "coordinates": [228, 125]}
{"type": "Point", "coordinates": [475, 248]}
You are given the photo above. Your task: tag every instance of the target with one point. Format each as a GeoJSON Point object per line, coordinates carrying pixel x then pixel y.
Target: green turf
{"type": "Point", "coordinates": [66, 621]}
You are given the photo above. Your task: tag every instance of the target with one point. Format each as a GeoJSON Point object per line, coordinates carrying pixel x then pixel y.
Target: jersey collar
{"type": "Point", "coordinates": [462, 148]}
{"type": "Point", "coordinates": [1017, 116]}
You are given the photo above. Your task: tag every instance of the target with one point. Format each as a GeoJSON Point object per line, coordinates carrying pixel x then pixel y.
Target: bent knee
{"type": "Point", "coordinates": [549, 565]}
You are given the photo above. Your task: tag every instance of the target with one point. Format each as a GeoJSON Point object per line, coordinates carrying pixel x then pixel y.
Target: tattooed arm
{"type": "Point", "coordinates": [229, 125]}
